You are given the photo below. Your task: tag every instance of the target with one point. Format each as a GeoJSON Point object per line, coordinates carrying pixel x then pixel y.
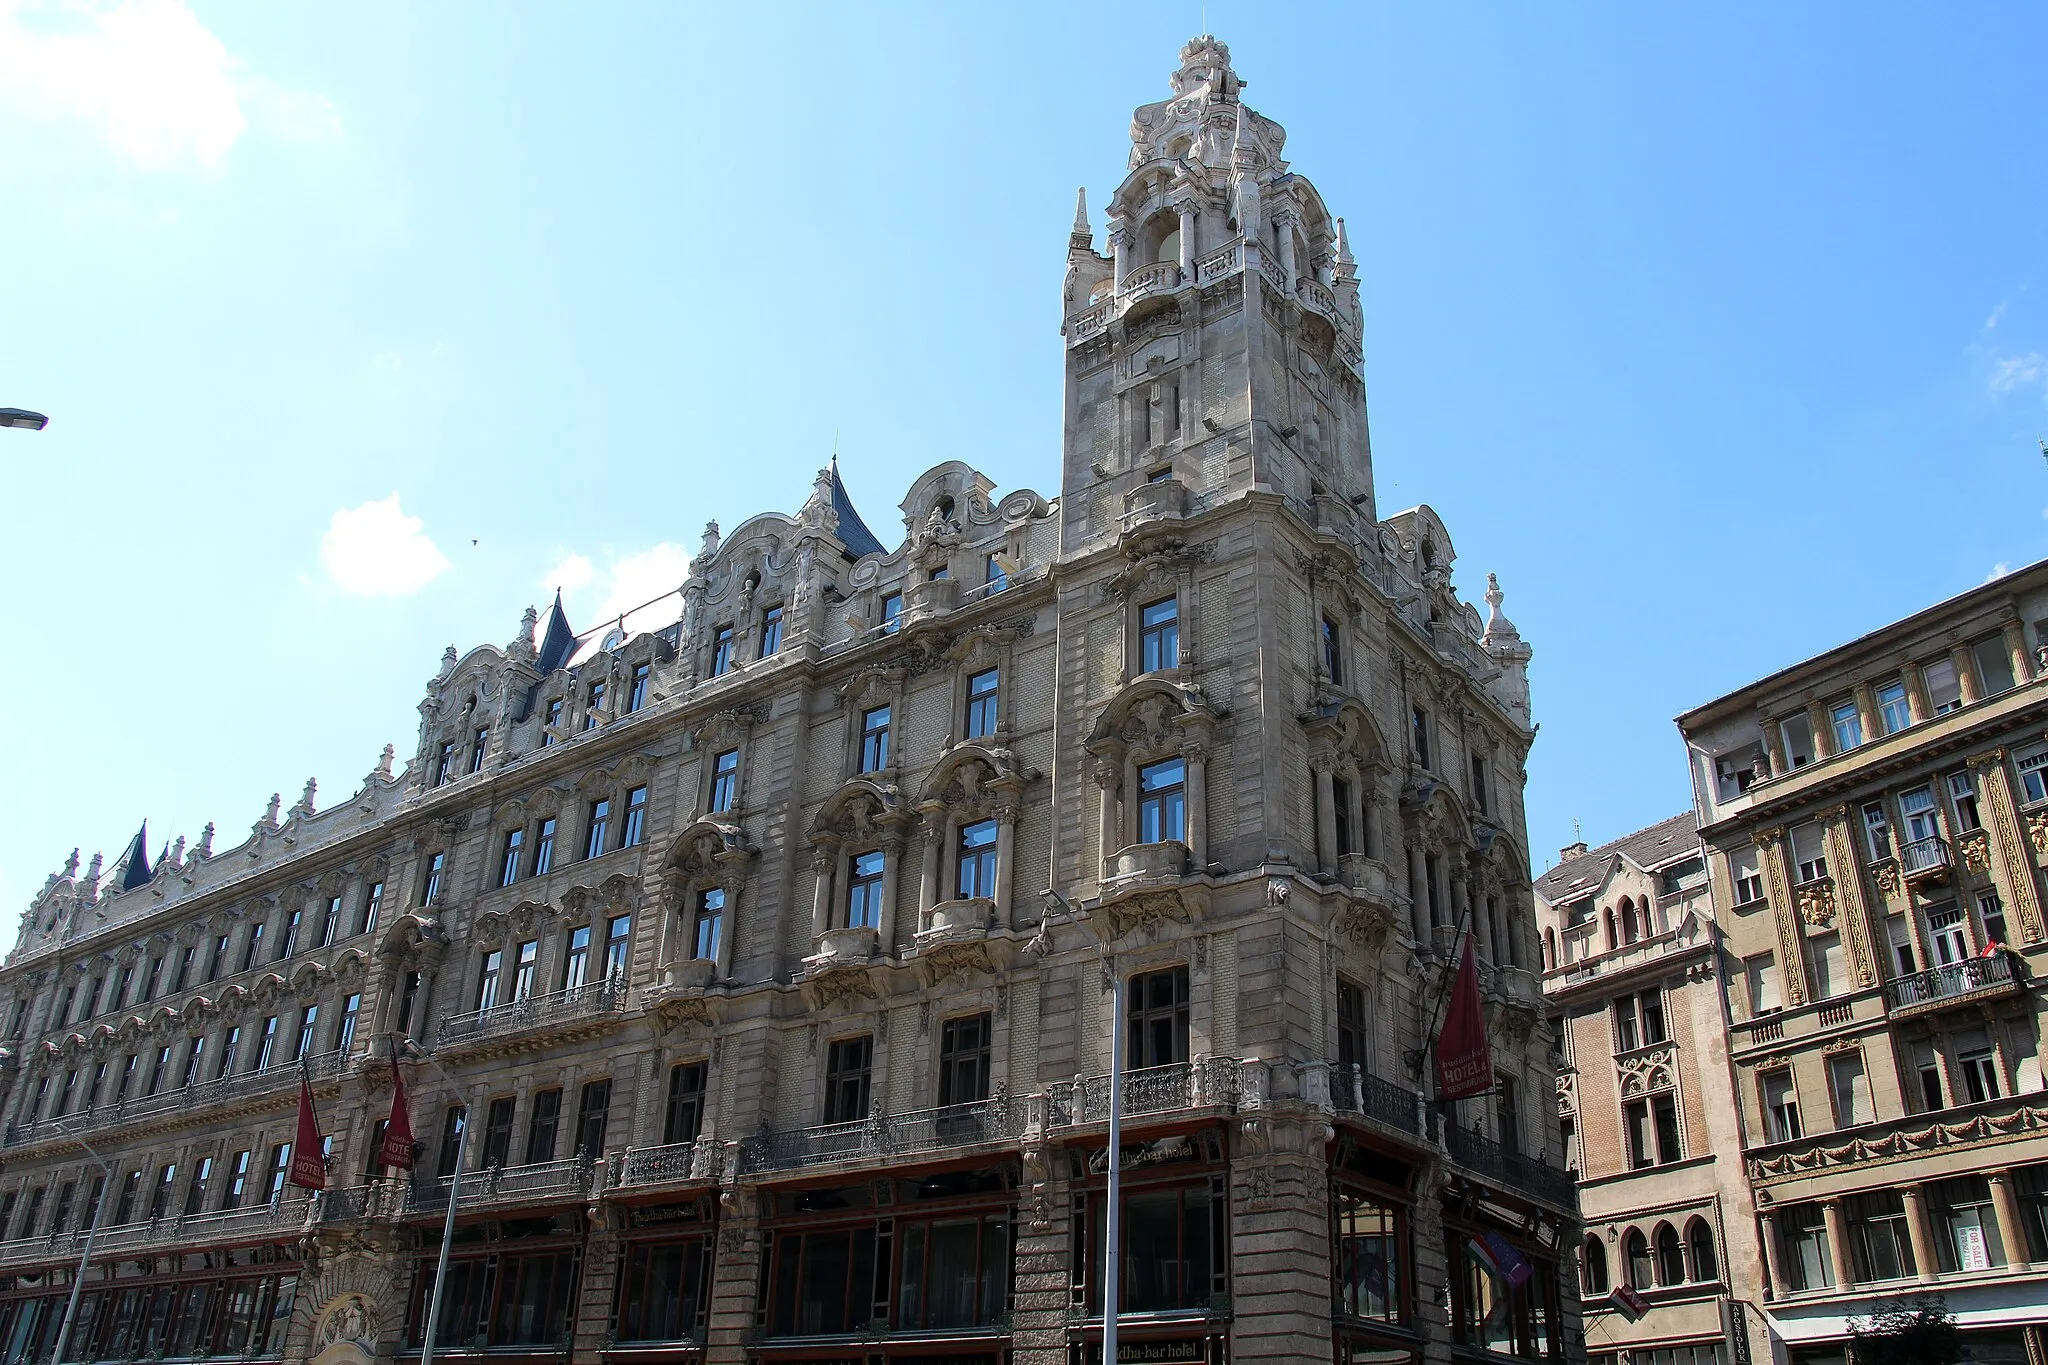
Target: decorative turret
{"type": "Point", "coordinates": [1504, 644]}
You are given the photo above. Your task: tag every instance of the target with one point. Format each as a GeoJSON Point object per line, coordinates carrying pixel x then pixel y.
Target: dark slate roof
{"type": "Point", "coordinates": [853, 532]}
{"type": "Point", "coordinates": [1646, 848]}
{"type": "Point", "coordinates": [135, 862]}
{"type": "Point", "coordinates": [559, 641]}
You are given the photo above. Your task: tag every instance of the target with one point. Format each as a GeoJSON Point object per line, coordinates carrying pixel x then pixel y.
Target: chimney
{"type": "Point", "coordinates": [1571, 851]}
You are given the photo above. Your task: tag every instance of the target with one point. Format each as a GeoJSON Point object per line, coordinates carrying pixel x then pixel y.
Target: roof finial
{"type": "Point", "coordinates": [1081, 211]}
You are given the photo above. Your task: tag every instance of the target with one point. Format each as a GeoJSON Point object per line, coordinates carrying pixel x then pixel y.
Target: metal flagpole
{"type": "Point", "coordinates": [85, 1257]}
{"type": "Point", "coordinates": [1112, 1253]}
{"type": "Point", "coordinates": [447, 1233]}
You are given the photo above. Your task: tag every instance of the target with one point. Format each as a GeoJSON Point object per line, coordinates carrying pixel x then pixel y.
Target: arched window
{"type": "Point", "coordinates": [1549, 949]}
{"type": "Point", "coordinates": [1628, 920]}
{"type": "Point", "coordinates": [1594, 1268]}
{"type": "Point", "coordinates": [1612, 942]}
{"type": "Point", "coordinates": [1701, 1239]}
{"type": "Point", "coordinates": [1670, 1256]}
{"type": "Point", "coordinates": [1641, 1274]}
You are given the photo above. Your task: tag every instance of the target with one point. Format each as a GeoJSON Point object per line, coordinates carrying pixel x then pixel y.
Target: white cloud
{"type": "Point", "coordinates": [593, 595]}
{"type": "Point", "coordinates": [571, 576]}
{"type": "Point", "coordinates": [1998, 571]}
{"type": "Point", "coordinates": [1996, 313]}
{"type": "Point", "coordinates": [2018, 372]}
{"type": "Point", "coordinates": [148, 79]}
{"type": "Point", "coordinates": [376, 550]}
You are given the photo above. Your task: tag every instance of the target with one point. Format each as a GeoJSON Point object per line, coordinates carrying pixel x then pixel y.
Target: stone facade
{"type": "Point", "coordinates": [753, 958]}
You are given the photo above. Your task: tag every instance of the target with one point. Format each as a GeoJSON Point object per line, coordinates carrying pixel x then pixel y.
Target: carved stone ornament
{"type": "Point", "coordinates": [1647, 1072]}
{"type": "Point", "coordinates": [839, 983]}
{"type": "Point", "coordinates": [1887, 875]}
{"type": "Point", "coordinates": [1817, 903]}
{"type": "Point", "coordinates": [348, 1320]}
{"type": "Point", "coordinates": [2037, 832]}
{"type": "Point", "coordinates": [949, 959]}
{"type": "Point", "coordinates": [1973, 851]}
{"type": "Point", "coordinates": [1149, 910]}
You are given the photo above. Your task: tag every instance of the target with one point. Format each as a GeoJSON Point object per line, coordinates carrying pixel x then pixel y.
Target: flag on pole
{"type": "Point", "coordinates": [1464, 1061]}
{"type": "Point", "coordinates": [309, 1169]}
{"type": "Point", "coordinates": [1499, 1256]}
{"type": "Point", "coordinates": [398, 1146]}
{"type": "Point", "coordinates": [1632, 1304]}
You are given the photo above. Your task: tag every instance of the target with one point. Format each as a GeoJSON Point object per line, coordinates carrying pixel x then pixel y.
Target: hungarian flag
{"type": "Point", "coordinates": [1631, 1304]}
{"type": "Point", "coordinates": [308, 1168]}
{"type": "Point", "coordinates": [1464, 1061]}
{"type": "Point", "coordinates": [398, 1146]}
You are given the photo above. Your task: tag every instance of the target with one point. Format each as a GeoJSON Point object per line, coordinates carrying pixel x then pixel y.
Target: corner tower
{"type": "Point", "coordinates": [1216, 346]}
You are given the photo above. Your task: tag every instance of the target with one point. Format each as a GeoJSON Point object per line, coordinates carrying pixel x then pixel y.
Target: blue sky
{"type": "Point", "coordinates": [1717, 332]}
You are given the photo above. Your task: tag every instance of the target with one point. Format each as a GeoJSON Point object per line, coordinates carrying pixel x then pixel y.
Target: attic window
{"type": "Point", "coordinates": [944, 508]}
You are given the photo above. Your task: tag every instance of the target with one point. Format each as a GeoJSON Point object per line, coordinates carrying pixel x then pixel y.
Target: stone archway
{"type": "Point", "coordinates": [345, 1331]}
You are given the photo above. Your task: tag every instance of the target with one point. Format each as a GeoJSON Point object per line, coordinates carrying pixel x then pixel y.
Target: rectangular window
{"type": "Point", "coordinates": [287, 944]}
{"type": "Point", "coordinates": [1965, 1225]}
{"type": "Point", "coordinates": [666, 1290]}
{"type": "Point", "coordinates": [308, 1021]}
{"type": "Point", "coordinates": [1946, 932]}
{"type": "Point", "coordinates": [1809, 852]}
{"type": "Point", "coordinates": [1157, 1012]}
{"type": "Point", "coordinates": [847, 1065]}
{"type": "Point", "coordinates": [487, 982]}
{"type": "Point", "coordinates": [250, 950]}
{"type": "Point", "coordinates": [955, 1272]}
{"type": "Point", "coordinates": [1352, 1047]}
{"type": "Point", "coordinates": [266, 1044]}
{"type": "Point", "coordinates": [598, 827]}
{"type": "Point", "coordinates": [508, 866]}
{"type": "Point", "coordinates": [964, 1050]}
{"type": "Point", "coordinates": [1636, 1119]}
{"type": "Point", "coordinates": [2033, 771]}
{"type": "Point", "coordinates": [1746, 868]}
{"type": "Point", "coordinates": [1797, 732]}
{"type": "Point", "coordinates": [280, 1166]}
{"type": "Point", "coordinates": [892, 613]}
{"type": "Point", "coordinates": [195, 1053]}
{"type": "Point", "coordinates": [444, 763]}
{"type": "Point", "coordinates": [498, 1131]}
{"type": "Point", "coordinates": [592, 1111]}
{"type": "Point", "coordinates": [237, 1182]}
{"type": "Point", "coordinates": [1803, 1243]}
{"type": "Point", "coordinates": [1827, 969]}
{"type": "Point", "coordinates": [523, 965]}
{"type": "Point", "coordinates": [231, 1044]}
{"type": "Point", "coordinates": [874, 739]}
{"type": "Point", "coordinates": [1333, 652]}
{"type": "Point", "coordinates": [1916, 813]}
{"type": "Point", "coordinates": [551, 727]}
{"type": "Point", "coordinates": [1850, 1089]}
{"type": "Point", "coordinates": [1994, 665]}
{"type": "Point", "coordinates": [1944, 689]}
{"type": "Point", "coordinates": [618, 942]}
{"type": "Point", "coordinates": [1781, 1106]}
{"type": "Point", "coordinates": [330, 925]}
{"type": "Point", "coordinates": [771, 631]}
{"type": "Point", "coordinates": [981, 703]}
{"type": "Point", "coordinates": [1877, 830]}
{"type": "Point", "coordinates": [992, 569]}
{"type": "Point", "coordinates": [725, 780]}
{"type": "Point", "coordinates": [345, 1031]}
{"type": "Point", "coordinates": [864, 890]}
{"type": "Point", "coordinates": [479, 745]}
{"type": "Point", "coordinates": [710, 920]}
{"type": "Point", "coordinates": [1627, 1032]}
{"type": "Point", "coordinates": [1893, 710]}
{"type": "Point", "coordinates": [195, 1191]}
{"type": "Point", "coordinates": [544, 847]}
{"type": "Point", "coordinates": [541, 1125]}
{"type": "Point", "coordinates": [977, 860]}
{"type": "Point", "coordinates": [1418, 735]}
{"type": "Point", "coordinates": [453, 1120]}
{"type": "Point", "coordinates": [593, 714]}
{"type": "Point", "coordinates": [721, 652]}
{"type": "Point", "coordinates": [1507, 1115]}
{"type": "Point", "coordinates": [1162, 801]}
{"type": "Point", "coordinates": [1962, 798]}
{"type": "Point", "coordinates": [430, 889]}
{"type": "Point", "coordinates": [1900, 936]}
{"type": "Point", "coordinates": [576, 961]}
{"type": "Point", "coordinates": [685, 1116]}
{"type": "Point", "coordinates": [635, 829]}
{"type": "Point", "coordinates": [1991, 911]}
{"type": "Point", "coordinates": [373, 905]}
{"type": "Point", "coordinates": [1977, 1065]}
{"type": "Point", "coordinates": [1664, 1115]}
{"type": "Point", "coordinates": [1653, 1016]}
{"type": "Point", "coordinates": [943, 571]}
{"type": "Point", "coordinates": [160, 1197]}
{"type": "Point", "coordinates": [1479, 786]}
{"type": "Point", "coordinates": [1848, 726]}
{"type": "Point", "coordinates": [636, 695]}
{"type": "Point", "coordinates": [1880, 1248]}
{"type": "Point", "coordinates": [1159, 635]}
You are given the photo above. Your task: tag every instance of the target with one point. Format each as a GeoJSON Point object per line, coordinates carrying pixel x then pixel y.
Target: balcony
{"type": "Point", "coordinates": [1494, 1163]}
{"type": "Point", "coordinates": [1354, 1090]}
{"type": "Point", "coordinates": [1316, 296]}
{"type": "Point", "coordinates": [591, 1002]}
{"type": "Point", "coordinates": [1211, 1082]}
{"type": "Point", "coordinates": [543, 1182]}
{"type": "Point", "coordinates": [882, 1136]}
{"type": "Point", "coordinates": [1145, 865]}
{"type": "Point", "coordinates": [677, 1163]}
{"type": "Point", "coordinates": [929, 598]}
{"type": "Point", "coordinates": [204, 1096]}
{"type": "Point", "coordinates": [1219, 264]}
{"type": "Point", "coordinates": [1157, 278]}
{"type": "Point", "coordinates": [280, 1220]}
{"type": "Point", "coordinates": [1958, 983]}
{"type": "Point", "coordinates": [1161, 500]}
{"type": "Point", "coordinates": [377, 1201]}
{"type": "Point", "coordinates": [1925, 860]}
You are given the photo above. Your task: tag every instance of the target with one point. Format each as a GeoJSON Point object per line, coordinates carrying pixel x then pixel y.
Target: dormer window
{"type": "Point", "coordinates": [591, 715]}
{"type": "Point", "coordinates": [1159, 635]}
{"type": "Point", "coordinates": [637, 698]}
{"type": "Point", "coordinates": [771, 631]}
{"type": "Point", "coordinates": [554, 719]}
{"type": "Point", "coordinates": [874, 739]}
{"type": "Point", "coordinates": [444, 765]}
{"type": "Point", "coordinates": [721, 652]}
{"type": "Point", "coordinates": [479, 743]}
{"type": "Point", "coordinates": [892, 613]}
{"type": "Point", "coordinates": [997, 579]}
{"type": "Point", "coordinates": [936, 574]}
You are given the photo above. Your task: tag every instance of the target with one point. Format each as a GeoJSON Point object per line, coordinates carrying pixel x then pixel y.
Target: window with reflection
{"type": "Point", "coordinates": [864, 889]}
{"type": "Point", "coordinates": [977, 860]}
{"type": "Point", "coordinates": [1159, 635]}
{"type": "Point", "coordinates": [981, 703]}
{"type": "Point", "coordinates": [710, 920]}
{"type": "Point", "coordinates": [1162, 801]}
{"type": "Point", "coordinates": [1371, 1234]}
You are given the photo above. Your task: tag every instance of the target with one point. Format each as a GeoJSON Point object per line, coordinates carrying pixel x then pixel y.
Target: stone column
{"type": "Point", "coordinates": [1119, 245]}
{"type": "Point", "coordinates": [2012, 855]}
{"type": "Point", "coordinates": [728, 929]}
{"type": "Point", "coordinates": [892, 863]}
{"type": "Point", "coordinates": [1823, 731]}
{"type": "Point", "coordinates": [1917, 1231]}
{"type": "Point", "coordinates": [825, 863]}
{"type": "Point", "coordinates": [2012, 1226]}
{"type": "Point", "coordinates": [1006, 862]}
{"type": "Point", "coordinates": [1966, 674]}
{"type": "Point", "coordinates": [1326, 818]}
{"type": "Point", "coordinates": [929, 837]}
{"type": "Point", "coordinates": [1866, 711]}
{"type": "Point", "coordinates": [1188, 221]}
{"type": "Point", "coordinates": [1108, 832]}
{"type": "Point", "coordinates": [1774, 746]}
{"type": "Point", "coordinates": [1284, 222]}
{"type": "Point", "coordinates": [1916, 694]}
{"type": "Point", "coordinates": [1838, 1243]}
{"type": "Point", "coordinates": [734, 1272]}
{"type": "Point", "coordinates": [1044, 1215]}
{"type": "Point", "coordinates": [2016, 646]}
{"type": "Point", "coordinates": [1769, 1219]}
{"type": "Point", "coordinates": [1418, 897]}
{"type": "Point", "coordinates": [1280, 1240]}
{"type": "Point", "coordinates": [1197, 758]}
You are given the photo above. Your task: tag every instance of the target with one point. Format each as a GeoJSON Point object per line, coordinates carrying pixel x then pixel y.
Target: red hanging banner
{"type": "Point", "coordinates": [398, 1146]}
{"type": "Point", "coordinates": [309, 1167]}
{"type": "Point", "coordinates": [1464, 1060]}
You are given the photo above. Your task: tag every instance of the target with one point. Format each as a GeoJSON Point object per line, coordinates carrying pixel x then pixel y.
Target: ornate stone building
{"type": "Point", "coordinates": [1876, 823]}
{"type": "Point", "coordinates": [752, 957]}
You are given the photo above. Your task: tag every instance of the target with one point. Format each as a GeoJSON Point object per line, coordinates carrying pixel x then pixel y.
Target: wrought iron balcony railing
{"type": "Point", "coordinates": [587, 1001]}
{"type": "Point", "coordinates": [1924, 856]}
{"type": "Point", "coordinates": [673, 1163]}
{"type": "Point", "coordinates": [200, 1095]}
{"type": "Point", "coordinates": [1212, 1081]}
{"type": "Point", "coordinates": [1531, 1175]}
{"type": "Point", "coordinates": [1354, 1090]}
{"type": "Point", "coordinates": [1952, 983]}
{"type": "Point", "coordinates": [536, 1183]}
{"type": "Point", "coordinates": [286, 1214]}
{"type": "Point", "coordinates": [884, 1135]}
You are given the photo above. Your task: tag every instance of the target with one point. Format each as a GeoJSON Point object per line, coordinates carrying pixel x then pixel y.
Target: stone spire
{"type": "Point", "coordinates": [1505, 646]}
{"type": "Point", "coordinates": [1083, 238]}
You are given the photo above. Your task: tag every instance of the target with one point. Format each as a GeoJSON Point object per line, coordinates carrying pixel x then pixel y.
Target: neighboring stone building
{"type": "Point", "coordinates": [1633, 977]}
{"type": "Point", "coordinates": [1876, 819]}
{"type": "Point", "coordinates": [764, 941]}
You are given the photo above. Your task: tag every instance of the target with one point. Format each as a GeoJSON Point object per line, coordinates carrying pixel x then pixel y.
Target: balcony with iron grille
{"type": "Point", "coordinates": [285, 1218]}
{"type": "Point", "coordinates": [200, 1099]}
{"type": "Point", "coordinates": [1925, 860]}
{"type": "Point", "coordinates": [1356, 1092]}
{"type": "Point", "coordinates": [885, 1137]}
{"type": "Point", "coordinates": [1957, 983]}
{"type": "Point", "coordinates": [1153, 1093]}
{"type": "Point", "coordinates": [572, 1013]}
{"type": "Point", "coordinates": [702, 1162]}
{"type": "Point", "coordinates": [1497, 1165]}
{"type": "Point", "coordinates": [541, 1182]}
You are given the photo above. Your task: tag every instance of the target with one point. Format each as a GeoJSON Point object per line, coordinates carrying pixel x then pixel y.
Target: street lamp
{"type": "Point", "coordinates": [413, 1052]}
{"type": "Point", "coordinates": [22, 417]}
{"type": "Point", "coordinates": [99, 1208]}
